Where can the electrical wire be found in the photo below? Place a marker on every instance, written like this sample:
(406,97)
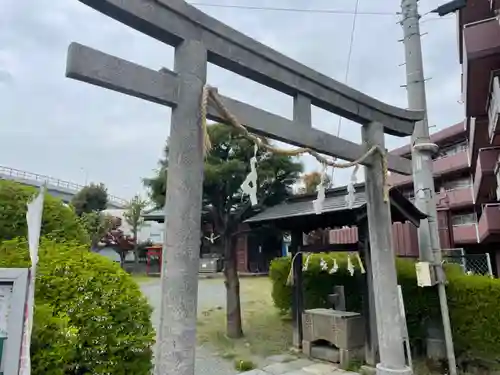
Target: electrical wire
(305,10)
(349,56)
(297,10)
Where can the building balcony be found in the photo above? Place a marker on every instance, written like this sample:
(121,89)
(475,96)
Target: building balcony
(452,163)
(489,223)
(481,57)
(441,166)
(465,234)
(478,138)
(455,198)
(484,176)
(494,111)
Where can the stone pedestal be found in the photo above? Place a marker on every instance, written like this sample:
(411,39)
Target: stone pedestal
(344,330)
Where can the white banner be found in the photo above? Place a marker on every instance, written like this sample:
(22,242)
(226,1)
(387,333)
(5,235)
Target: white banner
(34,220)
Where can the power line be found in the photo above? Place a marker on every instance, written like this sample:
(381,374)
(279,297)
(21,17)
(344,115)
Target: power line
(296,10)
(349,55)
(305,10)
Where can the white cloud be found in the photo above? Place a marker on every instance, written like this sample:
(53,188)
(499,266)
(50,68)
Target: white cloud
(53,125)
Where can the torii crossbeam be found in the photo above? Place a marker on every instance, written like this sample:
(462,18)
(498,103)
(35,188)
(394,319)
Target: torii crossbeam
(199,39)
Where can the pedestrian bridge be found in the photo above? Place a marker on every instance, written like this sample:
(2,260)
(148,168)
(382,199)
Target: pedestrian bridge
(64,190)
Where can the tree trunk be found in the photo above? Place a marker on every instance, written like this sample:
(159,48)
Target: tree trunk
(136,251)
(232,282)
(122,259)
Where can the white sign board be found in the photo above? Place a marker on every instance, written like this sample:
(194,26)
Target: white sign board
(13,293)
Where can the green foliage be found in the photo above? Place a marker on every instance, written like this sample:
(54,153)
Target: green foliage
(54,342)
(226,167)
(85,302)
(93,197)
(97,224)
(312,180)
(243,365)
(474,301)
(59,221)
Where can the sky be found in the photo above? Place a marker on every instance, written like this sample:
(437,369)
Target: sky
(73,131)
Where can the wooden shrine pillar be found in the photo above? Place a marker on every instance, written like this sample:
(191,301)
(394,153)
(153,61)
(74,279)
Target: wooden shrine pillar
(297,289)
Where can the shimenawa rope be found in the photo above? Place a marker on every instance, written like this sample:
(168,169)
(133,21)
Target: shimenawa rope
(211,93)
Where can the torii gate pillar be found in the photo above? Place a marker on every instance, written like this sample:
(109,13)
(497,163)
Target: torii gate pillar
(176,336)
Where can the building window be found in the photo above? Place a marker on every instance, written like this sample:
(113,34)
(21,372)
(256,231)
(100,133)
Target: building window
(459,183)
(453,149)
(463,219)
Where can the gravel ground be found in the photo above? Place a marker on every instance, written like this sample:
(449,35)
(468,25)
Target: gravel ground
(211,293)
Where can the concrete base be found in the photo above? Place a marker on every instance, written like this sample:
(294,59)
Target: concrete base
(327,353)
(382,370)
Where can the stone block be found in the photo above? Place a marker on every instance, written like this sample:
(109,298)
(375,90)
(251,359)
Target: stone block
(325,353)
(254,372)
(321,369)
(281,358)
(285,368)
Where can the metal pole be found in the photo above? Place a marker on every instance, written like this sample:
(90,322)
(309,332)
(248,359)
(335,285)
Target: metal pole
(383,263)
(422,150)
(176,335)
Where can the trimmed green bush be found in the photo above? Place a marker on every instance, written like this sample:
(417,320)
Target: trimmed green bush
(85,302)
(54,342)
(59,221)
(474,301)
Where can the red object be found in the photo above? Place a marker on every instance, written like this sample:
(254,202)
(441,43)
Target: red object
(153,253)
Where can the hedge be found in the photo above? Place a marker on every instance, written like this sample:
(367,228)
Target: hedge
(90,316)
(59,221)
(474,301)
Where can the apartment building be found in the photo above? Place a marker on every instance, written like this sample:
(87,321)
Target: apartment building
(457,218)
(479,55)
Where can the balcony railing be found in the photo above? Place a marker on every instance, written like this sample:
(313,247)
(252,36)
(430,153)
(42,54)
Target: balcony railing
(441,166)
(489,223)
(484,176)
(455,198)
(451,163)
(494,109)
(465,233)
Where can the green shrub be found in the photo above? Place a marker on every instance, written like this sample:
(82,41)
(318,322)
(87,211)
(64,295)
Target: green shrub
(474,301)
(92,298)
(54,342)
(59,221)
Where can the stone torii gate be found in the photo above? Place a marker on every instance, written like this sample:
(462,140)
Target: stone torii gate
(199,39)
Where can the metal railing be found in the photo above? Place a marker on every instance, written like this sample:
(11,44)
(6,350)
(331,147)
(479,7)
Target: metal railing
(54,182)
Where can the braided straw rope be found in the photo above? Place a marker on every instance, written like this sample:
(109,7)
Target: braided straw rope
(211,93)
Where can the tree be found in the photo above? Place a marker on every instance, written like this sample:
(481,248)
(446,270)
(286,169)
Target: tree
(116,239)
(93,197)
(224,205)
(97,225)
(312,180)
(133,217)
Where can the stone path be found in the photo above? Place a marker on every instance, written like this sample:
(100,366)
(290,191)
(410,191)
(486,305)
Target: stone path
(211,293)
(288,365)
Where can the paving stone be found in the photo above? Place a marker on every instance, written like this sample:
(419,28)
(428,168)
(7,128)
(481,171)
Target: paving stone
(321,369)
(298,372)
(281,358)
(254,372)
(285,368)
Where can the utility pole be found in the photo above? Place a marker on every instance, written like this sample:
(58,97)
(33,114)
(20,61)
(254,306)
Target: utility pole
(422,151)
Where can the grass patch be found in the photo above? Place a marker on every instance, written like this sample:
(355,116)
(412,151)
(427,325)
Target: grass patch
(266,332)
